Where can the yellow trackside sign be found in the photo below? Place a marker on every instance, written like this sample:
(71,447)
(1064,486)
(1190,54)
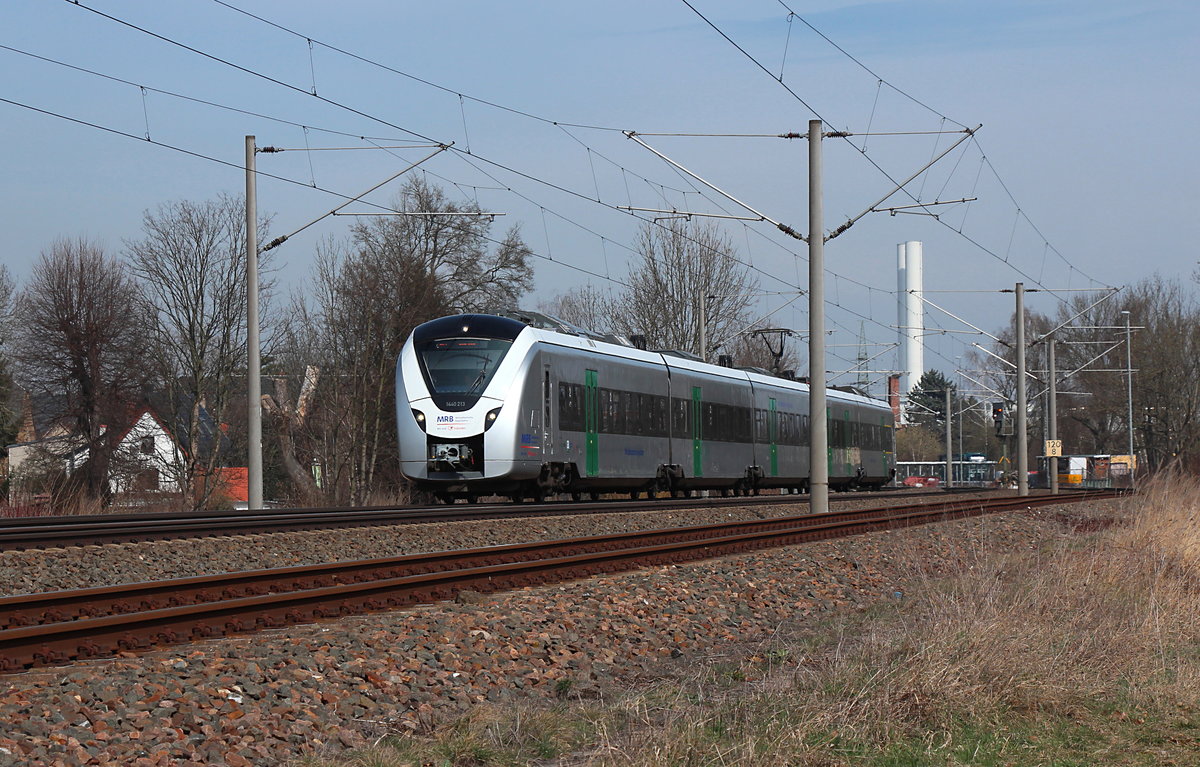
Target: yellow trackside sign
(1053,448)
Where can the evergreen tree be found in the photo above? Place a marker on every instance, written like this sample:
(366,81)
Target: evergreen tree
(927,401)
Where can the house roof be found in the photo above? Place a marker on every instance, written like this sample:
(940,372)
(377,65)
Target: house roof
(174,413)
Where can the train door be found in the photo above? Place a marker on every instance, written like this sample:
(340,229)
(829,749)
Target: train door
(547,433)
(697,434)
(773,437)
(591,421)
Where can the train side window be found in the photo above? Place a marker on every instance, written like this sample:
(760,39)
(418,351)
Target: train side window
(570,407)
(607,412)
(658,415)
(635,413)
(680,422)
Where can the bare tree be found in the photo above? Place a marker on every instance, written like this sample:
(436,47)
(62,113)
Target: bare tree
(8,412)
(191,264)
(452,250)
(367,302)
(1166,381)
(1093,411)
(291,418)
(687,269)
(79,335)
(584,307)
(918,443)
(6,297)
(369,294)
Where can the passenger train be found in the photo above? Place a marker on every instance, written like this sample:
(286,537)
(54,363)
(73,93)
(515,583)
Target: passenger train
(527,406)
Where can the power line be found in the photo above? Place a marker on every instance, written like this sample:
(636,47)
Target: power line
(240,168)
(868,70)
(461,153)
(862,152)
(193,99)
(410,76)
(331,102)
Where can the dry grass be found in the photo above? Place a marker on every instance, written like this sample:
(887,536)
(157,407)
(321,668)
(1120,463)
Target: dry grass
(1085,652)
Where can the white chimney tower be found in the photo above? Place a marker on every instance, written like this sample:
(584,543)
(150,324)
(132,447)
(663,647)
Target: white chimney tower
(910,285)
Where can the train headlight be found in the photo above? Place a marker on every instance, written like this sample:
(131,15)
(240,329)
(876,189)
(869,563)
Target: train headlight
(490,418)
(420,418)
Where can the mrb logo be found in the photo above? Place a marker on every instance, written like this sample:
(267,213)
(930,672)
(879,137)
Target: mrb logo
(445,419)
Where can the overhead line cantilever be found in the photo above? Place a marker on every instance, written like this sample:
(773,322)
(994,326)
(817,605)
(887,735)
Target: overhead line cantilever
(762,216)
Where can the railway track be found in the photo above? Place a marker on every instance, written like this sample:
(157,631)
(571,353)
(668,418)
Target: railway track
(48,532)
(58,627)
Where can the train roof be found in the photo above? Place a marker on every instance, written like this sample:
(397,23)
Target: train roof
(551,329)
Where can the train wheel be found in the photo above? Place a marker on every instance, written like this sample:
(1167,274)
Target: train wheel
(444,498)
(576,495)
(517,497)
(634,495)
(595,496)
(472,498)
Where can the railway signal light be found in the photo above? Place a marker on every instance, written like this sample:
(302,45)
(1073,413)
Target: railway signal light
(998,414)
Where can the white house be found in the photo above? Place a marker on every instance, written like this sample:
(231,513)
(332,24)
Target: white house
(145,457)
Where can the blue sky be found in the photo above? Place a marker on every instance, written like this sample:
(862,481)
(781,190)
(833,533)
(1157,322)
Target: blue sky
(1088,110)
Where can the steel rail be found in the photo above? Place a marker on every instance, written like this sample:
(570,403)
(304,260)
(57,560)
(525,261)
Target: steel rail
(26,609)
(59,626)
(21,533)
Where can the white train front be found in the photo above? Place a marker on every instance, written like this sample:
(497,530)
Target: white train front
(494,405)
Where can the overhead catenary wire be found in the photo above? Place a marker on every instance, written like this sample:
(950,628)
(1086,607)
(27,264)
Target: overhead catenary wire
(862,152)
(359,112)
(449,90)
(195,100)
(264,174)
(499,165)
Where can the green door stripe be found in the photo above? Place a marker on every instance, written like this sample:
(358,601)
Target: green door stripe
(591,416)
(773,436)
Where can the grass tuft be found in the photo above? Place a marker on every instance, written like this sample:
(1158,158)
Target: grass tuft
(1085,651)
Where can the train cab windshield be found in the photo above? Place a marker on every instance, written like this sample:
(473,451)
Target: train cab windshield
(459,369)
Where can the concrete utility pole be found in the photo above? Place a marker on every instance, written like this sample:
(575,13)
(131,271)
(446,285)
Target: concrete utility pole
(1022,405)
(1052,416)
(1129,390)
(949,446)
(818,449)
(254,468)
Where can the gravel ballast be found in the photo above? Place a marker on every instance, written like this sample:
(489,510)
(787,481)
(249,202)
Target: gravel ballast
(25,572)
(270,697)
